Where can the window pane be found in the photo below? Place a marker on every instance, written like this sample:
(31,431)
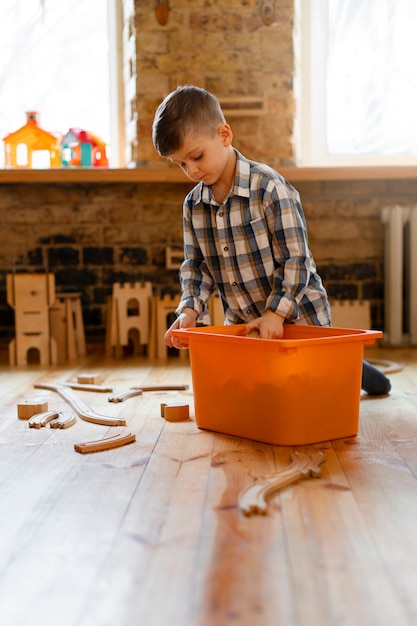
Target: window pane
(54,59)
(371,87)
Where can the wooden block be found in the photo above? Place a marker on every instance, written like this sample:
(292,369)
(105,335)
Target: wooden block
(88,379)
(175,412)
(28,408)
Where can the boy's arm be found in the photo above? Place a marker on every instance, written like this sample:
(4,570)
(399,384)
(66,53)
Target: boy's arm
(196,282)
(289,243)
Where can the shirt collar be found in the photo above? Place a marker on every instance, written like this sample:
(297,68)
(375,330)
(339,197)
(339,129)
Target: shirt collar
(240,186)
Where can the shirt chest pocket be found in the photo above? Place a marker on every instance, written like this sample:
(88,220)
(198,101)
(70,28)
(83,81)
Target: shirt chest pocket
(250,238)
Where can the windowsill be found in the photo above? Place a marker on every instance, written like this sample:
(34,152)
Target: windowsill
(93,175)
(175,175)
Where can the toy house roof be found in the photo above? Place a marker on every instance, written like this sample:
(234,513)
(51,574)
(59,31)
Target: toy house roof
(78,135)
(30,133)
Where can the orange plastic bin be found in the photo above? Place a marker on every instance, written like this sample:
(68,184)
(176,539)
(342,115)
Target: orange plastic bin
(298,390)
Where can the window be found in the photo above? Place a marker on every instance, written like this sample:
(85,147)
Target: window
(359,82)
(56,59)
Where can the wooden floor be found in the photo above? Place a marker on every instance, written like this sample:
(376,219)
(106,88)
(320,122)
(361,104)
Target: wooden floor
(150,534)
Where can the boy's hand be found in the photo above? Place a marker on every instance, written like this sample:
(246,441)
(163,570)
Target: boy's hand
(270,325)
(186,319)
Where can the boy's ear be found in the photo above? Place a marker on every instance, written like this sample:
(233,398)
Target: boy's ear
(225,133)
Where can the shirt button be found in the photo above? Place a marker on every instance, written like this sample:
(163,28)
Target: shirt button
(220,214)
(234,284)
(248,312)
(225,248)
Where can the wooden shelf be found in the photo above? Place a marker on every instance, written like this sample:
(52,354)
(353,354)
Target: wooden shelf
(323,174)
(93,175)
(175,175)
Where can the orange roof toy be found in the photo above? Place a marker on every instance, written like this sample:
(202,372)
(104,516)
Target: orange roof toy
(31,147)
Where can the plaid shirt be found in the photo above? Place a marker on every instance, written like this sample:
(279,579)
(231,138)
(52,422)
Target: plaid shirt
(253,248)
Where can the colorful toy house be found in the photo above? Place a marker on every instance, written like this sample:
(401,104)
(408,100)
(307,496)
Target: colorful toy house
(31,146)
(82,148)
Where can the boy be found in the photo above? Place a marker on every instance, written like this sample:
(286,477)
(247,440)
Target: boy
(244,230)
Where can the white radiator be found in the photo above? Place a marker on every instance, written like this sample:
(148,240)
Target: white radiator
(400,275)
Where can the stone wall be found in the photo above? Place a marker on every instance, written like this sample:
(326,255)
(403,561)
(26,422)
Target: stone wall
(93,235)
(225,47)
(90,236)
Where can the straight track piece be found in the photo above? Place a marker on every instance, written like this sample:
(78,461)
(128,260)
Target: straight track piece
(87,386)
(121,396)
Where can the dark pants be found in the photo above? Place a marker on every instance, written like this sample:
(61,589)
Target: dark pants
(374,381)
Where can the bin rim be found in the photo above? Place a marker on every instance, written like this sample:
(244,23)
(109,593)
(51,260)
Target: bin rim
(320,334)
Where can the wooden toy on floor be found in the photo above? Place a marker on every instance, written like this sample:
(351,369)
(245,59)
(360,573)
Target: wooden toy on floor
(42,419)
(87,386)
(121,396)
(80,407)
(28,408)
(105,444)
(64,421)
(175,412)
(252,499)
(89,378)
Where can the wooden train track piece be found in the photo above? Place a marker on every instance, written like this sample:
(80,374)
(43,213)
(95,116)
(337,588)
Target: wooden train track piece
(105,444)
(42,419)
(386,366)
(87,386)
(64,421)
(121,396)
(80,407)
(138,391)
(252,499)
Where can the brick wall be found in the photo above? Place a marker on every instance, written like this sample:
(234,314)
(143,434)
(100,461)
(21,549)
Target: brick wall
(89,236)
(93,235)
(224,47)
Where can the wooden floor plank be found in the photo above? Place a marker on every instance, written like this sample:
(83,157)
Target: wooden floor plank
(159,536)
(151,533)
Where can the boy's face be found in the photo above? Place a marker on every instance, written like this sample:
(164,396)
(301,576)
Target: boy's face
(203,157)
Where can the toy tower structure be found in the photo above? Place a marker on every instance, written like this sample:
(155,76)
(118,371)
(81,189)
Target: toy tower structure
(31,295)
(129,313)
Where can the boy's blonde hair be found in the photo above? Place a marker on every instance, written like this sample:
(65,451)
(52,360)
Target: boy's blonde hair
(187,110)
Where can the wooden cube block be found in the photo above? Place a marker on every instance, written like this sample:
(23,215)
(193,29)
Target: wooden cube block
(27,408)
(88,379)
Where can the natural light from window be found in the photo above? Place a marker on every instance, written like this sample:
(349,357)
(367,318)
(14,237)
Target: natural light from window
(54,59)
(359,95)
